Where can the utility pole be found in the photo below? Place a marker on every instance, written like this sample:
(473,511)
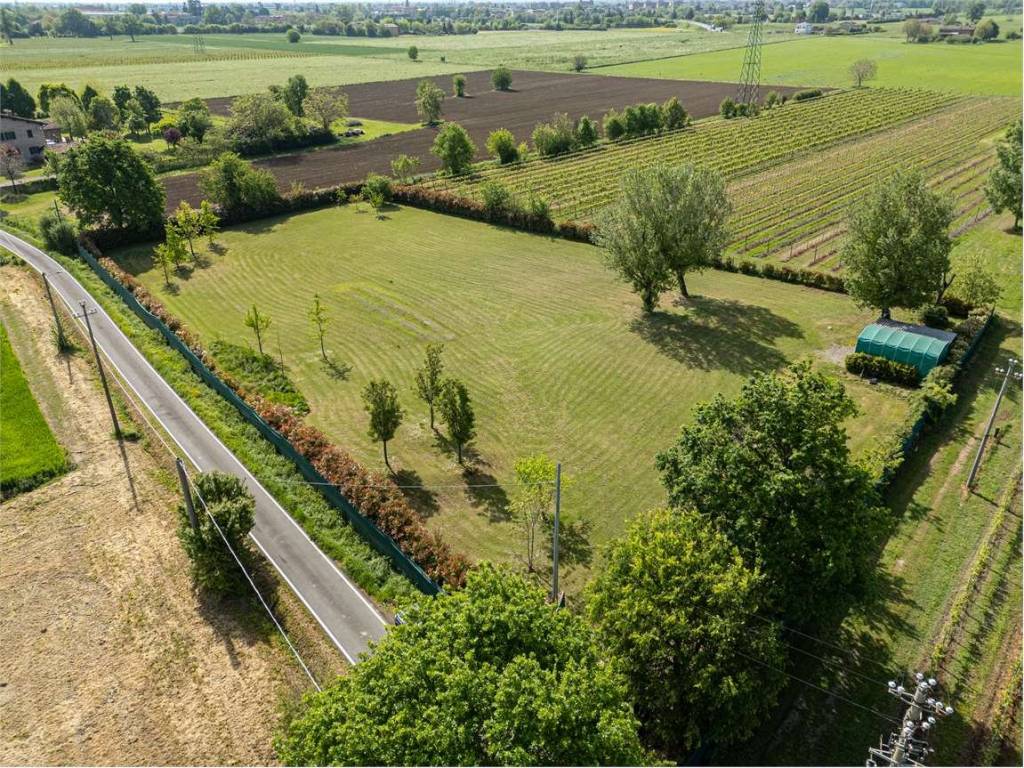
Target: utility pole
(56,209)
(991,419)
(186,493)
(99,364)
(61,338)
(554,541)
(909,746)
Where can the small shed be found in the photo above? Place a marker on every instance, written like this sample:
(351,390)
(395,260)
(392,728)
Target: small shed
(916,345)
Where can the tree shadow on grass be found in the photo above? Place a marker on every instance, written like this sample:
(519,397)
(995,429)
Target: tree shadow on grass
(485,494)
(719,333)
(338,371)
(423,500)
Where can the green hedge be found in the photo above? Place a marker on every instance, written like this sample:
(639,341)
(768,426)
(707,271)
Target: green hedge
(883,369)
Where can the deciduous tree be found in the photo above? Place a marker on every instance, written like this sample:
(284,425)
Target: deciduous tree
(103,114)
(772,469)
(501,145)
(106,183)
(974,284)
(380,398)
(429,378)
(194,119)
(17,99)
(454,148)
(676,605)
(487,675)
(187,223)
(325,105)
(233,184)
(429,99)
(11,163)
(404,168)
(294,94)
(897,250)
(457,414)
(231,505)
(258,323)
(863,69)
(319,319)
(1004,189)
(501,79)
(68,114)
(459,85)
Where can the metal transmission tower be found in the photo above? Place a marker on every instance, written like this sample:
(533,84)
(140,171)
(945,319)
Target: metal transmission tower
(909,745)
(198,44)
(750,75)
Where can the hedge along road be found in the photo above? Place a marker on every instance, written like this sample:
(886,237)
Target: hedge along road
(533,99)
(347,616)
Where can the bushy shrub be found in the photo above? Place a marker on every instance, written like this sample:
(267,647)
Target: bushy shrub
(377,190)
(497,199)
(501,144)
(883,369)
(554,138)
(934,316)
(956,306)
(771,99)
(643,119)
(674,114)
(810,93)
(58,233)
(294,36)
(727,108)
(501,79)
(586,132)
(614,126)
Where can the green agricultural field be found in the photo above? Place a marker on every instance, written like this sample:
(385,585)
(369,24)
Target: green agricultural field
(555,351)
(29,454)
(989,69)
(234,64)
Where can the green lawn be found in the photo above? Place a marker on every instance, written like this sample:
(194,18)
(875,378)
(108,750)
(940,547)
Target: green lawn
(29,454)
(989,69)
(554,350)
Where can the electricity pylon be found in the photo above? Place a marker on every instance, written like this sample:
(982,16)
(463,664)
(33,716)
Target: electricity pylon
(750,75)
(909,745)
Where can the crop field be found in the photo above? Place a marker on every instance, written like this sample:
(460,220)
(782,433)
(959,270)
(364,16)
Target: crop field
(29,454)
(795,212)
(578,184)
(991,69)
(554,350)
(230,65)
(535,96)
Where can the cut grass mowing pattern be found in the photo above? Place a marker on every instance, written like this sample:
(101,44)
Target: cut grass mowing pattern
(991,69)
(555,352)
(29,454)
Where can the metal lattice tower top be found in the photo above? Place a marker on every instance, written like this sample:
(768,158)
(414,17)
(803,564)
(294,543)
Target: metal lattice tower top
(750,76)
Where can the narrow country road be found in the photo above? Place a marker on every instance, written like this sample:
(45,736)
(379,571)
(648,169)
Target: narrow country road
(346,615)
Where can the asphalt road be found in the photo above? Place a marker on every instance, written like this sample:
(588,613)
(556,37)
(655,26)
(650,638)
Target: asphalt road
(345,613)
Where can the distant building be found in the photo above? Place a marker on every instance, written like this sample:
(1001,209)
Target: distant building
(393,29)
(956,31)
(29,137)
(804,28)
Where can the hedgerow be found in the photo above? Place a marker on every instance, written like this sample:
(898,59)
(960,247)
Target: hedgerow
(874,366)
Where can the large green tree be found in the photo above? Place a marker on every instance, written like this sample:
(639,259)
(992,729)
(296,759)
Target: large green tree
(15,98)
(487,675)
(897,249)
(380,399)
(772,468)
(233,184)
(294,94)
(228,501)
(107,183)
(1004,189)
(675,603)
(429,98)
(455,148)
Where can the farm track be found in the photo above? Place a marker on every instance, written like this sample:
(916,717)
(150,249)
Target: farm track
(483,111)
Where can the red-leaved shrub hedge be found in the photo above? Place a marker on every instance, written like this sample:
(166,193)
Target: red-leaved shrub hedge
(374,495)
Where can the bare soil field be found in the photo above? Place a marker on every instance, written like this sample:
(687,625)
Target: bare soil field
(535,96)
(109,656)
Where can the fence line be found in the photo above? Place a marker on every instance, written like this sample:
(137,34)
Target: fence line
(365,527)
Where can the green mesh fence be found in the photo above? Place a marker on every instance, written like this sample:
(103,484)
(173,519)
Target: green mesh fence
(373,535)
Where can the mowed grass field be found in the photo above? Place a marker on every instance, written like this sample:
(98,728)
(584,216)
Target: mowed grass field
(235,64)
(29,454)
(992,69)
(554,350)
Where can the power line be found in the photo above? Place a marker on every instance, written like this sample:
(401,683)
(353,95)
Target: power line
(252,584)
(816,687)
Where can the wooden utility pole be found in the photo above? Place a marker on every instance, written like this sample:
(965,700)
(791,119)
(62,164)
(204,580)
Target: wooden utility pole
(186,493)
(103,376)
(61,338)
(991,420)
(554,540)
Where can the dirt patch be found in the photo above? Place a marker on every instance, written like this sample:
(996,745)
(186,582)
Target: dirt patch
(109,658)
(536,96)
